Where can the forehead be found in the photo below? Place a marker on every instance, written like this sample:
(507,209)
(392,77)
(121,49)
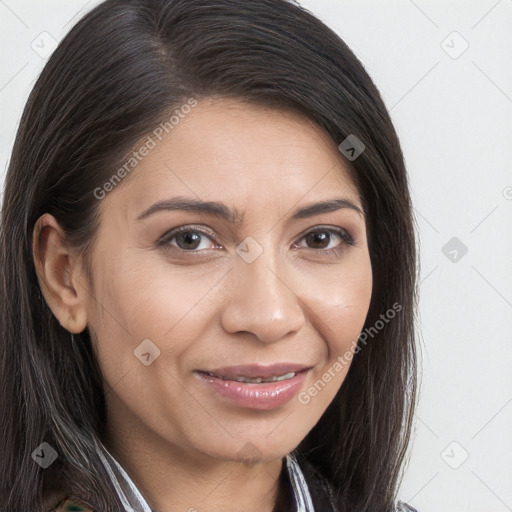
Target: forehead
(241,153)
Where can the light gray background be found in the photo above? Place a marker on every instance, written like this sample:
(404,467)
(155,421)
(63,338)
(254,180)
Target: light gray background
(453,112)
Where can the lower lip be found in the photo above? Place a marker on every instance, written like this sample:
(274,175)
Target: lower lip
(267,395)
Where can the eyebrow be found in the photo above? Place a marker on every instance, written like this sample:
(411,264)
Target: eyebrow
(221,210)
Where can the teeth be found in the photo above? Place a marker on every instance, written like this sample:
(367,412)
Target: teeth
(257,380)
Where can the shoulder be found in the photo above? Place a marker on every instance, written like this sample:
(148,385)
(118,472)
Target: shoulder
(72,505)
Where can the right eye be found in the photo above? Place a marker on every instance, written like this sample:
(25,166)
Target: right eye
(188,239)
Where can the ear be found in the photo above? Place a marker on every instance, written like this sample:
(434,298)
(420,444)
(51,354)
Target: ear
(58,272)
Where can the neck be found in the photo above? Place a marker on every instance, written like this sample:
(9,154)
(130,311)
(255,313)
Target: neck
(173,478)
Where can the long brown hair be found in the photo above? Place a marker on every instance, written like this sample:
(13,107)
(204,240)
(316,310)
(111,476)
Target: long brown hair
(106,86)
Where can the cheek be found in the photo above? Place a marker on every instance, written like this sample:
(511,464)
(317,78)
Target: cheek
(340,301)
(339,305)
(345,312)
(148,301)
(339,321)
(162,299)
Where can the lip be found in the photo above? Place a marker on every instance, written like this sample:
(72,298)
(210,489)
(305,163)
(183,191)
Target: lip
(268,395)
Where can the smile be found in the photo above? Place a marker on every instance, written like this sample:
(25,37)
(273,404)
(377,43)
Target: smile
(255,386)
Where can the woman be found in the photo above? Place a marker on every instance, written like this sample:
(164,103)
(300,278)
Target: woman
(209,270)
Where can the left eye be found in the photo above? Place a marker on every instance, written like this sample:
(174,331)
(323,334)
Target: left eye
(186,237)
(321,235)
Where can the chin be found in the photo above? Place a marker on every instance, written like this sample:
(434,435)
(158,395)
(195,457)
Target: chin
(255,450)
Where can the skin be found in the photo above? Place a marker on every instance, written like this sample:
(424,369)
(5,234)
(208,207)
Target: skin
(180,441)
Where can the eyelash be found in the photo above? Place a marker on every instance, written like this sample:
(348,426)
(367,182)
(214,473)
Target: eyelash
(347,240)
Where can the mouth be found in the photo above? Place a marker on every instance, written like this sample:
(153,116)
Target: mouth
(256,371)
(256,386)
(257,380)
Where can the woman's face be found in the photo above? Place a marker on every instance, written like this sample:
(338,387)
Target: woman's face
(272,286)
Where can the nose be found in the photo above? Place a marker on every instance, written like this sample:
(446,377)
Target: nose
(262,301)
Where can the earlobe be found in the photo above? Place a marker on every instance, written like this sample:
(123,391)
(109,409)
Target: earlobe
(57,273)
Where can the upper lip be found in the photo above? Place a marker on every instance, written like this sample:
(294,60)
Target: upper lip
(253,371)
